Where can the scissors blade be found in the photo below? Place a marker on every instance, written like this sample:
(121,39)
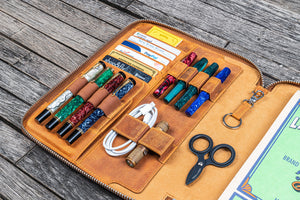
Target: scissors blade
(194,173)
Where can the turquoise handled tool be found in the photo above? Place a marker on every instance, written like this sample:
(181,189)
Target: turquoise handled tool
(200,65)
(192,90)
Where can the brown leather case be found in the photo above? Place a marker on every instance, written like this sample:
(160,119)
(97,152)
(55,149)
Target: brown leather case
(161,174)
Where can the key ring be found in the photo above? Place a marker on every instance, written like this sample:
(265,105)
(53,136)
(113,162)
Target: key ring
(257,95)
(229,126)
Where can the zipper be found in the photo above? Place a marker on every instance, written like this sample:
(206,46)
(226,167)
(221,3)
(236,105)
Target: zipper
(269,87)
(272,85)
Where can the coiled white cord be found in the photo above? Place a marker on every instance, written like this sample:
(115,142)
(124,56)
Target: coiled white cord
(149,111)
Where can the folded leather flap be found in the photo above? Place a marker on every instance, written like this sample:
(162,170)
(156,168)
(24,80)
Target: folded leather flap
(98,96)
(77,85)
(199,80)
(177,69)
(131,128)
(88,90)
(246,105)
(109,104)
(188,74)
(212,87)
(157,141)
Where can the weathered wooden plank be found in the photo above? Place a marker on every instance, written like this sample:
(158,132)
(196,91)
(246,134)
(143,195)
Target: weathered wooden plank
(150,13)
(292,5)
(40,43)
(13,145)
(267,66)
(76,18)
(122,3)
(50,26)
(15,184)
(12,109)
(251,36)
(263,13)
(30,63)
(60,178)
(20,84)
(103,11)
(10,52)
(45,46)
(10,30)
(41,69)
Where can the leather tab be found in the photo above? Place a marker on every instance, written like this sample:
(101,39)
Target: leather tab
(77,85)
(98,96)
(241,110)
(188,74)
(88,90)
(245,106)
(157,141)
(212,87)
(177,69)
(131,128)
(199,80)
(109,104)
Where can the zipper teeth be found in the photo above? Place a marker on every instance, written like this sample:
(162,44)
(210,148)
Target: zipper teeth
(138,21)
(272,85)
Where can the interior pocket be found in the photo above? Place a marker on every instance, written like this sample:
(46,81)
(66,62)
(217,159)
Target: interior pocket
(115,170)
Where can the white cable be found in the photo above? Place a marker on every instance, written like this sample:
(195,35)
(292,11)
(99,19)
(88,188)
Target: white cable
(149,111)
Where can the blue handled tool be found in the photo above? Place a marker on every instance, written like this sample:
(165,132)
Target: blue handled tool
(201,163)
(204,96)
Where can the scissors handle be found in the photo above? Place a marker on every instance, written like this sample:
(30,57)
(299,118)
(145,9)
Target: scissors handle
(202,162)
(211,160)
(205,151)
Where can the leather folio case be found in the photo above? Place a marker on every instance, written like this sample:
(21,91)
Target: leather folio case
(162,173)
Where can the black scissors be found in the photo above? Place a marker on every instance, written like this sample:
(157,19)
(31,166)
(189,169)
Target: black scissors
(201,163)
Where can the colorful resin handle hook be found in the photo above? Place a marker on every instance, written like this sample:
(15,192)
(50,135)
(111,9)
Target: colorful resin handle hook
(200,65)
(92,103)
(171,79)
(204,96)
(192,90)
(98,113)
(77,101)
(71,91)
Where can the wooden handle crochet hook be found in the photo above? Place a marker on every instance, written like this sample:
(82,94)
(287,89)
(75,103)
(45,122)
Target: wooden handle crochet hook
(140,151)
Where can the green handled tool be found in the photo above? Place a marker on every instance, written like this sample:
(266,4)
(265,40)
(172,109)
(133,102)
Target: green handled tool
(200,65)
(192,90)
